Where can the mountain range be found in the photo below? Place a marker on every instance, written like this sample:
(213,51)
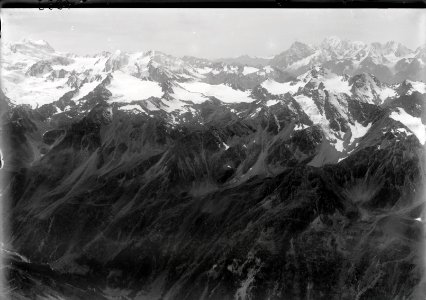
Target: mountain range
(147,176)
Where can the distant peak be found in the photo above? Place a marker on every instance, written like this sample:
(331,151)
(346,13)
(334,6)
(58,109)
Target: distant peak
(254,56)
(34,42)
(390,43)
(41,44)
(299,46)
(331,39)
(391,47)
(331,42)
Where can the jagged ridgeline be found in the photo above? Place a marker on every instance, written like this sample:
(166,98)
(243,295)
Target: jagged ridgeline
(146,176)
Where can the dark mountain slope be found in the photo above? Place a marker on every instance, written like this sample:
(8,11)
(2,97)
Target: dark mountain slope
(227,209)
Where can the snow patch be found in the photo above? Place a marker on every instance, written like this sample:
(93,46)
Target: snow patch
(86,88)
(386,92)
(271,102)
(39,42)
(338,145)
(358,131)
(403,130)
(300,127)
(337,84)
(150,106)
(127,88)
(1,162)
(309,107)
(249,70)
(414,124)
(181,93)
(34,91)
(304,61)
(204,70)
(340,159)
(276,88)
(131,107)
(418,86)
(220,91)
(268,69)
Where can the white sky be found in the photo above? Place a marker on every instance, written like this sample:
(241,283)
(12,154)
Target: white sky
(210,33)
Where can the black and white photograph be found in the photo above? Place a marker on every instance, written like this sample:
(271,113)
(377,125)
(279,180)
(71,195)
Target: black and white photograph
(212,154)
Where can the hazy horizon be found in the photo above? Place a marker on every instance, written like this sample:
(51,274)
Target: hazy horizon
(209,33)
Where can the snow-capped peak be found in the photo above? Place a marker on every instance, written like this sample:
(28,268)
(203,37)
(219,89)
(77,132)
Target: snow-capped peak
(28,46)
(300,47)
(36,43)
(331,42)
(390,48)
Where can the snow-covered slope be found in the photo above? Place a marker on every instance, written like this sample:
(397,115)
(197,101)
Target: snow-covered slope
(152,82)
(390,62)
(414,124)
(34,73)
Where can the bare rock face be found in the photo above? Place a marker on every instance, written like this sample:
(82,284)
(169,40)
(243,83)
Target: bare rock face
(116,61)
(100,114)
(296,52)
(39,68)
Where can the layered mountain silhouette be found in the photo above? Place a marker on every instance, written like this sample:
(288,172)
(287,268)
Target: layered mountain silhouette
(147,176)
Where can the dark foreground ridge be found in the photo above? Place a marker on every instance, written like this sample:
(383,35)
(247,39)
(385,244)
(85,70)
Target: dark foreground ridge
(122,204)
